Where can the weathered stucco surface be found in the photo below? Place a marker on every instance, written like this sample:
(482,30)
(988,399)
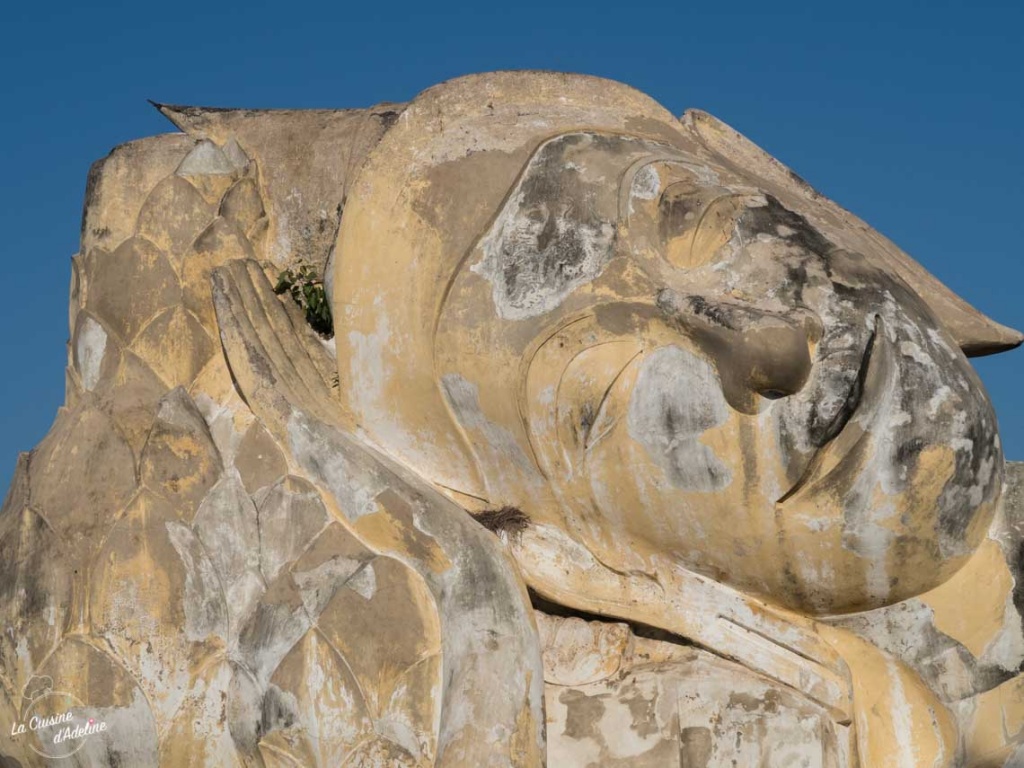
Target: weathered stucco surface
(629,450)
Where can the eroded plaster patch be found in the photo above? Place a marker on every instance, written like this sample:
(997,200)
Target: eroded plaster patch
(92,344)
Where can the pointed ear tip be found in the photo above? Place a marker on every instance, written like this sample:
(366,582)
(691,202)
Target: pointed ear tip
(1001,339)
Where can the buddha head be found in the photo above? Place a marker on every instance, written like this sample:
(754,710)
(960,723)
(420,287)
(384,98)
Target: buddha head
(554,295)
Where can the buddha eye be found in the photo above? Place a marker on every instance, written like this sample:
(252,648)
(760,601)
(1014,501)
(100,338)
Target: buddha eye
(695,222)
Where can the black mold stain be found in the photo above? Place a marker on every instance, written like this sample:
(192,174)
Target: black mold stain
(560,228)
(554,260)
(716,313)
(908,452)
(1013,509)
(21,585)
(822,431)
(936,657)
(388,118)
(767,219)
(955,511)
(796,278)
(277,712)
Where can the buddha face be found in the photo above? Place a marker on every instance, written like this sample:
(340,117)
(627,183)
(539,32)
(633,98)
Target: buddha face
(705,380)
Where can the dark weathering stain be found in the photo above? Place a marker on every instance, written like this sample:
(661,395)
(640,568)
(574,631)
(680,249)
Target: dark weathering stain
(824,428)
(767,219)
(1013,507)
(695,746)
(907,453)
(1016,564)
(277,713)
(642,710)
(554,259)
(22,572)
(796,279)
(640,630)
(511,521)
(388,118)
(559,228)
(557,259)
(716,313)
(113,758)
(768,705)
(955,512)
(582,714)
(91,183)
(936,656)
(670,408)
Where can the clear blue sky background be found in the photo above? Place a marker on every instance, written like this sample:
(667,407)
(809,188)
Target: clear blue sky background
(908,113)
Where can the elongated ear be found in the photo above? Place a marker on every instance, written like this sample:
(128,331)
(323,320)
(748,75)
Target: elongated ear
(976,333)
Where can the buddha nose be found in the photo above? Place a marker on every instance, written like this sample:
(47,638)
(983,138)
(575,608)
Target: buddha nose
(758,354)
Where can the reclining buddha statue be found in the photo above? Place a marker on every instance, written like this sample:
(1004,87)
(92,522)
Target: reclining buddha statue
(629,449)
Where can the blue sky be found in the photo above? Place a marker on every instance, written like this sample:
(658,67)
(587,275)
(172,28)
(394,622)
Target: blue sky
(907,113)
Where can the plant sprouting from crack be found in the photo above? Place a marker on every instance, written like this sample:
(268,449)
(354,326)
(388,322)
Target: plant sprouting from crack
(307,290)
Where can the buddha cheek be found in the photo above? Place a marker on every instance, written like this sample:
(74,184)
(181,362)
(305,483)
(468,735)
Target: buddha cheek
(638,514)
(676,399)
(660,470)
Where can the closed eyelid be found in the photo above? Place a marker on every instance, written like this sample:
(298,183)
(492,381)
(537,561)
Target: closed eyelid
(672,171)
(694,245)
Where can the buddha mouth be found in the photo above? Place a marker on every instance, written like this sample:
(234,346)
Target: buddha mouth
(864,400)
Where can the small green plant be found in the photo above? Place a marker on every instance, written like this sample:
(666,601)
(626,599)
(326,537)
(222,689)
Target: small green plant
(307,290)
